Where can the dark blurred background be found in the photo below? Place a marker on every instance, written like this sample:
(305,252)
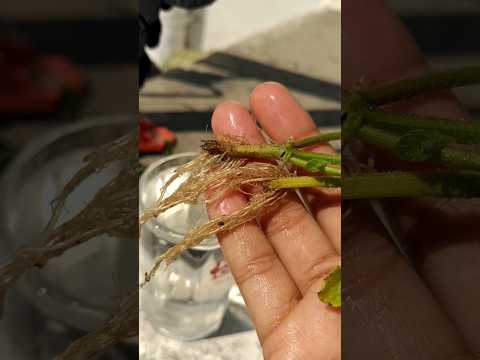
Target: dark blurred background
(393,309)
(62,64)
(447,31)
(63,61)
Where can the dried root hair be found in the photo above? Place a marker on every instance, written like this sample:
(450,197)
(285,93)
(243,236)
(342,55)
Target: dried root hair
(121,149)
(216,175)
(119,327)
(111,211)
(258,202)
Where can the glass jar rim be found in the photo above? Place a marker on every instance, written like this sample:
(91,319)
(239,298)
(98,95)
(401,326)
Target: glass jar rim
(156,227)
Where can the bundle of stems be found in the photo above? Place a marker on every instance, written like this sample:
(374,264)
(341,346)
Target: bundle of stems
(446,148)
(226,166)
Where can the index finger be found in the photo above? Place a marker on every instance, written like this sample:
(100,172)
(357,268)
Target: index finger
(282,117)
(266,285)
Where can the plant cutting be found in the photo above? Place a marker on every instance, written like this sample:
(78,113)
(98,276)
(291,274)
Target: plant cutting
(445,147)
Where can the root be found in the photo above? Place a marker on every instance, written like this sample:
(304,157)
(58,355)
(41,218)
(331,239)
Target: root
(217,175)
(120,149)
(265,201)
(121,326)
(112,211)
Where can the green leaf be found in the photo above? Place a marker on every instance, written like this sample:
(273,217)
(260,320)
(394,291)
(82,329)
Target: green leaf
(331,292)
(420,145)
(287,154)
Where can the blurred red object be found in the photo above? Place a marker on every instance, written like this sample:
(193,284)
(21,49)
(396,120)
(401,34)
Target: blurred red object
(32,83)
(154,139)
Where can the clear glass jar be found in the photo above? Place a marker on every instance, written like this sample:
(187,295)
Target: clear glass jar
(188,299)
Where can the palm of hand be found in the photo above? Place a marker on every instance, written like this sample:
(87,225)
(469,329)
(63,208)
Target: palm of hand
(280,262)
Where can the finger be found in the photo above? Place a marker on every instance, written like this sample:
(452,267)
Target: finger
(282,117)
(268,289)
(319,339)
(300,243)
(291,230)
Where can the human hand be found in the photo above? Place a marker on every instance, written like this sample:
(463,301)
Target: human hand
(279,264)
(427,309)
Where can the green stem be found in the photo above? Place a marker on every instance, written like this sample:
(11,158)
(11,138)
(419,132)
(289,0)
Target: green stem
(460,159)
(304,182)
(318,139)
(432,81)
(308,155)
(280,152)
(449,156)
(465,132)
(374,136)
(305,164)
(332,171)
(404,184)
